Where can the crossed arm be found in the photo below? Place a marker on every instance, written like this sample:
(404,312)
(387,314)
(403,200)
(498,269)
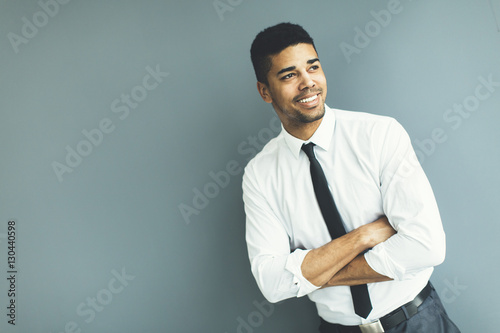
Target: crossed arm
(406,198)
(341,261)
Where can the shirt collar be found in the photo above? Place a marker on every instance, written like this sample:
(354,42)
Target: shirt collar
(321,138)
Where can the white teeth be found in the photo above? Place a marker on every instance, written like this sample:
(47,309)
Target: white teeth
(307,100)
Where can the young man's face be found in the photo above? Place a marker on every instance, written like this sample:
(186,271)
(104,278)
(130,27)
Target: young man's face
(297,88)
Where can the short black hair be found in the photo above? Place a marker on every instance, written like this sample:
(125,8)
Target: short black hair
(273,40)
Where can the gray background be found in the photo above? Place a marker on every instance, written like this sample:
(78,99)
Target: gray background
(120,207)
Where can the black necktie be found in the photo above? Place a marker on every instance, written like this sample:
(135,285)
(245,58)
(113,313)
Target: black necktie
(360,296)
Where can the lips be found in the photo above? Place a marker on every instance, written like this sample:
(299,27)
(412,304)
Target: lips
(308,100)
(310,97)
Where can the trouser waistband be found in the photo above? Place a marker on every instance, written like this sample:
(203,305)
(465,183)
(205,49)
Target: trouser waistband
(385,323)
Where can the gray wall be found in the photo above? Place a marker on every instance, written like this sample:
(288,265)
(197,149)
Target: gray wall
(116,208)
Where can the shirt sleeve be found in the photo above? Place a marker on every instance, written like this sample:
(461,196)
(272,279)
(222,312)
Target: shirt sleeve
(277,270)
(410,206)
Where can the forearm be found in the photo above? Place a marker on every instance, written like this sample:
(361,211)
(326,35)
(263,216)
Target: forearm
(322,264)
(356,272)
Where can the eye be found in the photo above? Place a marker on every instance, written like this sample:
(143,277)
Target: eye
(288,76)
(314,67)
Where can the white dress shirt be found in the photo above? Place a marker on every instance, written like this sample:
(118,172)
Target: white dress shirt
(372,170)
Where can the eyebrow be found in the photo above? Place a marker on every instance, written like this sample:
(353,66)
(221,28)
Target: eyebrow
(291,68)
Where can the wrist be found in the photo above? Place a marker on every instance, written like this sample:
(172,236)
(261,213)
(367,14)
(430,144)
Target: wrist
(365,238)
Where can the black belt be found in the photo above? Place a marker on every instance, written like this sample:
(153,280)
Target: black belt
(388,321)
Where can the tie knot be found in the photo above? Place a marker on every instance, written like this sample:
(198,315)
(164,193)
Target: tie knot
(309,150)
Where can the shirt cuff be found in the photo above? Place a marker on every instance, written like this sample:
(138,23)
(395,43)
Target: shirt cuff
(380,261)
(293,265)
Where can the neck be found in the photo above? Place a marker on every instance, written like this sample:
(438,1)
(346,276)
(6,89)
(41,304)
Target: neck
(302,131)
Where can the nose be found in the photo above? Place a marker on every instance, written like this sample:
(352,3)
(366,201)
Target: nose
(306,81)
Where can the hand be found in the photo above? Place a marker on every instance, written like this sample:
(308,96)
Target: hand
(378,231)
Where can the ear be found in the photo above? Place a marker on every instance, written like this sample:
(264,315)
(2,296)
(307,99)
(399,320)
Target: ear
(264,92)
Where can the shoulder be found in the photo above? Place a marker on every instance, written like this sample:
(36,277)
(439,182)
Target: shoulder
(266,158)
(362,118)
(373,125)
(377,136)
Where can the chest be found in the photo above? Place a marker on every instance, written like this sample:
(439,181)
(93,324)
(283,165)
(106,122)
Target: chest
(353,179)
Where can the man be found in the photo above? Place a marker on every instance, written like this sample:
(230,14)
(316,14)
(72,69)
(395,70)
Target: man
(391,233)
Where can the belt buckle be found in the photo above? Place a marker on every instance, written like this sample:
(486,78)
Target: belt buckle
(373,327)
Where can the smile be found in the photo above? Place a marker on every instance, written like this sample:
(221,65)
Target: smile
(307,100)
